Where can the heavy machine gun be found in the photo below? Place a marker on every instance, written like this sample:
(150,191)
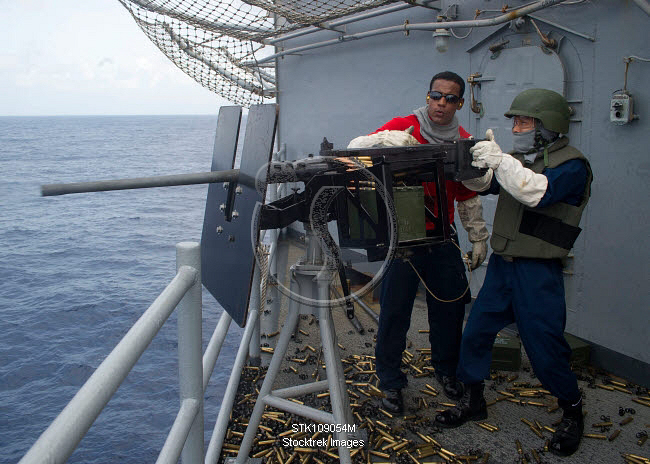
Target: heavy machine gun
(375,195)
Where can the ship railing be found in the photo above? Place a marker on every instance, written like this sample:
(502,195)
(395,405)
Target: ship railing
(185,438)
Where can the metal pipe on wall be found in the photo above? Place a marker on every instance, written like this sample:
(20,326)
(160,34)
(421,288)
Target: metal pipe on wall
(415,27)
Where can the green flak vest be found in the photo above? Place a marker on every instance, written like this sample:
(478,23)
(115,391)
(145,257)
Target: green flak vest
(550,232)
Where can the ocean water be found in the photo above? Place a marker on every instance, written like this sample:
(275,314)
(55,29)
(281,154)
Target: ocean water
(76,271)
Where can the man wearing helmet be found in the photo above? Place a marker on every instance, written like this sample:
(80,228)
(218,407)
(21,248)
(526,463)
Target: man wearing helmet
(543,187)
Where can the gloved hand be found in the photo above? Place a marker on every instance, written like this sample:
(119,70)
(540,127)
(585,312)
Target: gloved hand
(525,185)
(479,252)
(389,138)
(471,216)
(480,184)
(487,153)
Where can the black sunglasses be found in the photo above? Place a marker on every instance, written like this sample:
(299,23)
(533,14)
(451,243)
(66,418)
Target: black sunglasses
(449,98)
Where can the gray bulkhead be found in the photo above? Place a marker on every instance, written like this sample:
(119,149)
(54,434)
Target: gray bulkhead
(352,88)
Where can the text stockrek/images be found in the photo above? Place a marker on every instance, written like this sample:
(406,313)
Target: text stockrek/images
(324,428)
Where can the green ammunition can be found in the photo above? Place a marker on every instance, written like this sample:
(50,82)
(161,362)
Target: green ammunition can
(580,350)
(409,207)
(506,354)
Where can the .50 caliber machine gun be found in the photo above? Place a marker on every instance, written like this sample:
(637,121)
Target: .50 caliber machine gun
(376,196)
(364,179)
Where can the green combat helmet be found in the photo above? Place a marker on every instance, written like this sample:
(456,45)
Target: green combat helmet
(549,107)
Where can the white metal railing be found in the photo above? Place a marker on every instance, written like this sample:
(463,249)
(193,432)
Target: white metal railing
(185,438)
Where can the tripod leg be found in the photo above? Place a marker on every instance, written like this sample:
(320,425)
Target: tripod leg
(335,378)
(269,379)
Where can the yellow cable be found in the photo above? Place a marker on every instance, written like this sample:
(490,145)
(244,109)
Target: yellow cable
(431,293)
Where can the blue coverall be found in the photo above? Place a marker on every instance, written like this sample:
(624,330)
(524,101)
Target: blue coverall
(530,292)
(442,270)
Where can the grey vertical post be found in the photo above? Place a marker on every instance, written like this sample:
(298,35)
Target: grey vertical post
(220,428)
(254,352)
(190,356)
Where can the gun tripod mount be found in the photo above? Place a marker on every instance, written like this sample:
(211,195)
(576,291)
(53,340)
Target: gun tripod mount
(311,278)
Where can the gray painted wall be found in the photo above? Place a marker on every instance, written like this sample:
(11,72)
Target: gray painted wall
(350,89)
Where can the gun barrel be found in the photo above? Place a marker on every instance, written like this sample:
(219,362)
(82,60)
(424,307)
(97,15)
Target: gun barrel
(49,190)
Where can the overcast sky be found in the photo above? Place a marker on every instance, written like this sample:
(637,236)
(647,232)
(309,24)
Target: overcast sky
(65,57)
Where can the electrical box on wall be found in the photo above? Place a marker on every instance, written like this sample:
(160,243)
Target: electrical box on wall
(620,110)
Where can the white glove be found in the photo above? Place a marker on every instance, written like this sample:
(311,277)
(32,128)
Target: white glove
(480,184)
(388,138)
(487,153)
(526,186)
(479,252)
(471,216)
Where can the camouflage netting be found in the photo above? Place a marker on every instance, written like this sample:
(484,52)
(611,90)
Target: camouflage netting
(218,42)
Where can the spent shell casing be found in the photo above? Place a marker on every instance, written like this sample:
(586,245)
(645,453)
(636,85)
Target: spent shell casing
(519,448)
(626,421)
(605,387)
(484,426)
(412,458)
(553,408)
(614,434)
(330,454)
(447,452)
(602,424)
(642,440)
(643,402)
(259,454)
(621,389)
(598,436)
(401,445)
(536,457)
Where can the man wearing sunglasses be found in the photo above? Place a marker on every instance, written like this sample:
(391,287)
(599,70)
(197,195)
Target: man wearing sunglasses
(441,268)
(543,188)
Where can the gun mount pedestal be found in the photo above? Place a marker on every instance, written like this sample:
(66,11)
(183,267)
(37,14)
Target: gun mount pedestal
(310,280)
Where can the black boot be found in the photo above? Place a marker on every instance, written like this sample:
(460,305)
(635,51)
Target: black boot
(566,438)
(470,407)
(393,401)
(452,387)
